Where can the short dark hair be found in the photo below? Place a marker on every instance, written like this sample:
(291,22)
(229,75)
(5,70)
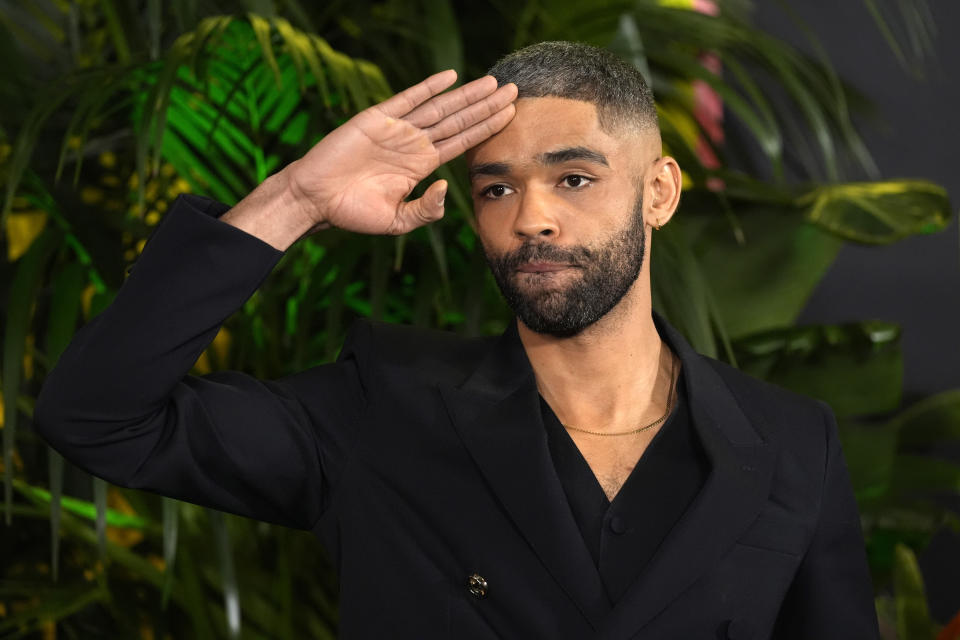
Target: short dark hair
(580,71)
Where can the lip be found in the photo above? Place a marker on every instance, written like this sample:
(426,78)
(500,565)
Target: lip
(542,267)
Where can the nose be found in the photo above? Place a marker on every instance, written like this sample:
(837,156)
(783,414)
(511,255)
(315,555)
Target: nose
(535,219)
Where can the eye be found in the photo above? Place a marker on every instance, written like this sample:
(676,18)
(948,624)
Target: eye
(496,191)
(576,181)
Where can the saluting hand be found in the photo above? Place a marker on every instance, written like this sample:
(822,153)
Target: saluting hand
(358,177)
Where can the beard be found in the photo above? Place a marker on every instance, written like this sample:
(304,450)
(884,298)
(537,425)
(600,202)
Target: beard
(607,272)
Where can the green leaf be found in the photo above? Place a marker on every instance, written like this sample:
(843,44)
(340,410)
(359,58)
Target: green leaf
(869,451)
(680,290)
(261,28)
(759,118)
(100,504)
(916,19)
(933,420)
(55,478)
(193,592)
(54,606)
(628,44)
(917,473)
(65,308)
(379,275)
(23,290)
(442,36)
(764,282)
(439,246)
(231,598)
(879,212)
(27,140)
(856,368)
(284,585)
(117,30)
(171,528)
(190,597)
(913,615)
(83,508)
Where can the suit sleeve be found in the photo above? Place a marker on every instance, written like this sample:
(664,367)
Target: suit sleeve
(832,594)
(120,404)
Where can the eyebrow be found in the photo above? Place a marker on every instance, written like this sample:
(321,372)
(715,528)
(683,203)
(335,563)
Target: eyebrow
(573,153)
(489,169)
(547,158)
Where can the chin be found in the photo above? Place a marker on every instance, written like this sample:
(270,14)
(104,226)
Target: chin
(553,329)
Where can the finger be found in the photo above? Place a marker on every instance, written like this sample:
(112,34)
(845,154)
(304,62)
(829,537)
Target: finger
(409,99)
(452,147)
(435,110)
(424,210)
(466,118)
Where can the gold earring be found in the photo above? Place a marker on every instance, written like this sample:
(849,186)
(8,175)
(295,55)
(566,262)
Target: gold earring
(658,225)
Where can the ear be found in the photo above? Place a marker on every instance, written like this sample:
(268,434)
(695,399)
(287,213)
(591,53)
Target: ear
(662,191)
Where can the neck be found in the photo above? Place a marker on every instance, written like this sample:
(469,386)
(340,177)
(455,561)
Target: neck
(614,375)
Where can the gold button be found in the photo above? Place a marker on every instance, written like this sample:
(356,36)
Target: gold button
(477,586)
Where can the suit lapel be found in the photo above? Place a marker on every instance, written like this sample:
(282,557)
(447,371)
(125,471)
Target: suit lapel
(742,466)
(496,412)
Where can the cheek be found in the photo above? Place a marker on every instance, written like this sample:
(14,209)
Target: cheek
(486,232)
(493,221)
(598,209)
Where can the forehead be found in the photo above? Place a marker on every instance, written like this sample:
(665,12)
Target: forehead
(541,125)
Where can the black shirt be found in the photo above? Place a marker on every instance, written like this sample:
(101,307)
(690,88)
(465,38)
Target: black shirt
(623,535)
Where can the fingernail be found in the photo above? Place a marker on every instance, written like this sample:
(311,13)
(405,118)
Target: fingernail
(441,197)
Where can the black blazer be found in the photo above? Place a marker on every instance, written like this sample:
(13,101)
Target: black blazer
(419,459)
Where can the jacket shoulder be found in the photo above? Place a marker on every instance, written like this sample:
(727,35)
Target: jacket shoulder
(424,355)
(799,421)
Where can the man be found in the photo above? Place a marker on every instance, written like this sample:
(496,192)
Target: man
(584,475)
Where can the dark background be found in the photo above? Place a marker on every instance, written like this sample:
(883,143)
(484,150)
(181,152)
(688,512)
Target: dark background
(915,282)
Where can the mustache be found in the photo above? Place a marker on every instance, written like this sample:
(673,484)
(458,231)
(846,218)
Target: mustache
(541,252)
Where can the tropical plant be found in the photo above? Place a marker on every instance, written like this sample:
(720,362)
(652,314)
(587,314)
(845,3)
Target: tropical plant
(113,107)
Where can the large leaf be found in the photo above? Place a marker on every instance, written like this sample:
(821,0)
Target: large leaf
(763,270)
(915,473)
(855,368)
(879,212)
(679,288)
(764,282)
(897,490)
(883,457)
(869,452)
(931,421)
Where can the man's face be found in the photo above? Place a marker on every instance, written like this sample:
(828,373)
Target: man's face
(559,210)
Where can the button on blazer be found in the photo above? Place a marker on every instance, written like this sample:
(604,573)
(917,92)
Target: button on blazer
(419,459)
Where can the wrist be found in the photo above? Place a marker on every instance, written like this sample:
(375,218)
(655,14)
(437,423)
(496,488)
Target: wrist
(297,198)
(273,212)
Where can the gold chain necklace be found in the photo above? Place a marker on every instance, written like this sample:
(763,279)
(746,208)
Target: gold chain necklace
(671,402)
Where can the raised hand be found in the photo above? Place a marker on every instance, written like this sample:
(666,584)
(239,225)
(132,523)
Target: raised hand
(358,177)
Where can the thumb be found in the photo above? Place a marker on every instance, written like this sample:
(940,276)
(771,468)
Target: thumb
(425,209)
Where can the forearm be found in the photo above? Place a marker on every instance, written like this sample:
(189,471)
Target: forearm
(120,369)
(272,212)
